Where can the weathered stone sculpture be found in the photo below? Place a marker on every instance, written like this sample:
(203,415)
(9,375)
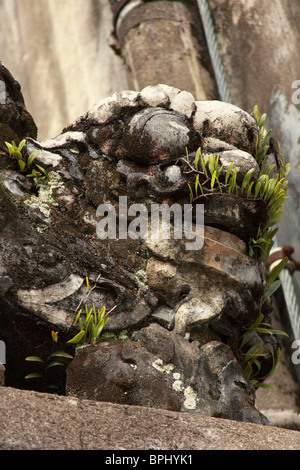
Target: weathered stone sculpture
(179,313)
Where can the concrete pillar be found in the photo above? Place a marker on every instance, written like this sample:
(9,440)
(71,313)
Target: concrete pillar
(163,42)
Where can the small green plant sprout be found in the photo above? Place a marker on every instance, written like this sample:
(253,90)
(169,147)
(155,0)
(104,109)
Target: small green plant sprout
(253,356)
(210,173)
(15,151)
(271,190)
(263,138)
(208,169)
(91,323)
(273,283)
(247,184)
(232,184)
(56,358)
(38,173)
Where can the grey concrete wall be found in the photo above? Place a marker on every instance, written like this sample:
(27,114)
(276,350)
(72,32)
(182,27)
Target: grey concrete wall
(59,52)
